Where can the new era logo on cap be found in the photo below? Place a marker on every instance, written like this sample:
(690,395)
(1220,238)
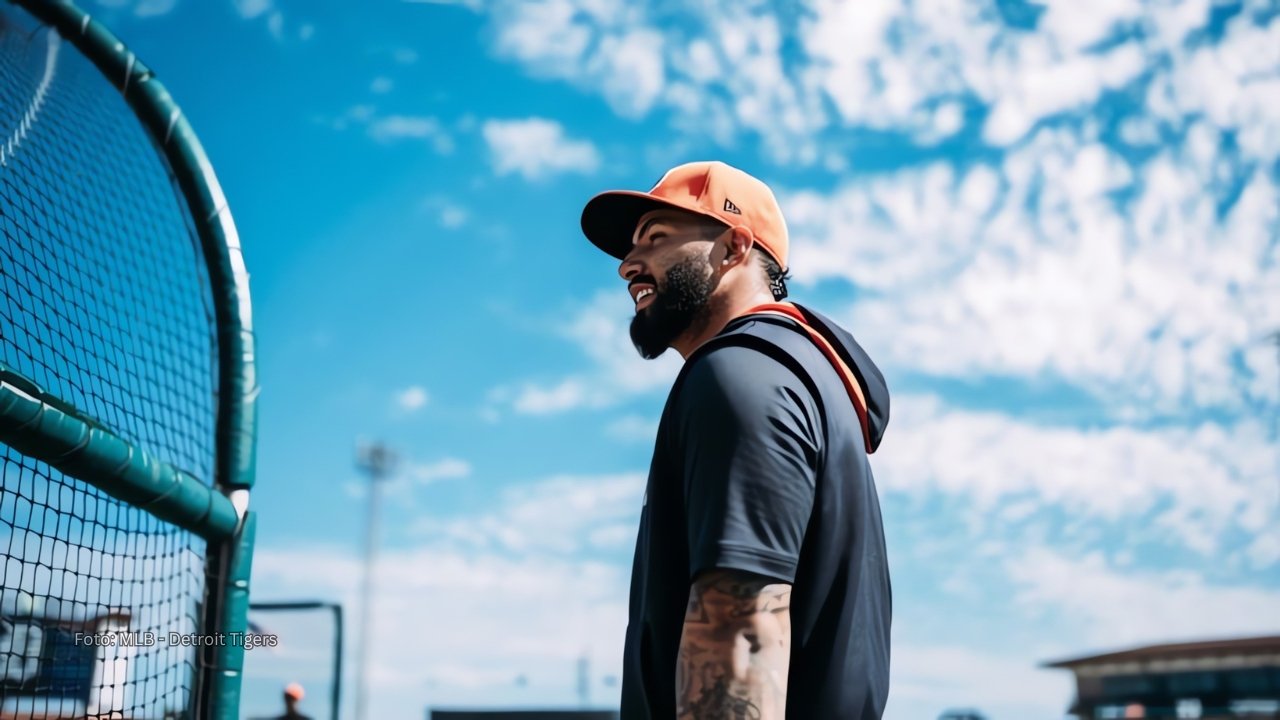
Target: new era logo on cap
(730,207)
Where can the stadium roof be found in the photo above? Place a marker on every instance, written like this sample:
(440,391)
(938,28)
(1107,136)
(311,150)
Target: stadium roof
(1205,648)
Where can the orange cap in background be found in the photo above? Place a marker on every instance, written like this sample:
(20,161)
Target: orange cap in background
(713,189)
(294,690)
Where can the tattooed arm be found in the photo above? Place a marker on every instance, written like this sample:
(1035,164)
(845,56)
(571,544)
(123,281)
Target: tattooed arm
(735,649)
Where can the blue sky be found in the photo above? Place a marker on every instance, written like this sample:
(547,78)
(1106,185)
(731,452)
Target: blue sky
(1055,227)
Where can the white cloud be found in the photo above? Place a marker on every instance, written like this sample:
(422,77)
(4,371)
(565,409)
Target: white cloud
(1096,606)
(1117,607)
(249,9)
(632,65)
(456,628)
(1264,551)
(154,8)
(881,63)
(600,331)
(468,4)
(354,115)
(407,476)
(1179,487)
(447,212)
(488,597)
(1234,84)
(412,398)
(622,535)
(550,36)
(272,16)
(536,148)
(142,8)
(275,24)
(453,217)
(926,680)
(562,515)
(1035,94)
(568,394)
(892,65)
(1033,268)
(446,469)
(381,85)
(948,119)
(393,128)
(633,428)
(891,232)
(638,66)
(1140,131)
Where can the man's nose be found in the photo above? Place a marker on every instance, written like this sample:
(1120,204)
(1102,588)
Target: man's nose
(630,266)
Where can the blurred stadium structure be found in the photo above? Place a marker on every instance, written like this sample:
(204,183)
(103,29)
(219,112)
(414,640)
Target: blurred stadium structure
(127,389)
(1230,678)
(963,714)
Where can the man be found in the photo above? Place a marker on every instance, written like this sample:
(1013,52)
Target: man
(293,695)
(760,588)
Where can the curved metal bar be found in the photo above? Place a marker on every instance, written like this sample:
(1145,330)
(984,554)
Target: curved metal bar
(39,429)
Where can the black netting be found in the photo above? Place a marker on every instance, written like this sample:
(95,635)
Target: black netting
(104,303)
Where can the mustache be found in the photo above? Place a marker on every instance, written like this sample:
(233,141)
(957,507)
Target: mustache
(642,280)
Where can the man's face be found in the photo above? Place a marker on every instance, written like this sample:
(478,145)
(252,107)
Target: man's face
(670,277)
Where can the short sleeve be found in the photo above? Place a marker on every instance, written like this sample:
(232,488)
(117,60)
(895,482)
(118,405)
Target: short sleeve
(749,442)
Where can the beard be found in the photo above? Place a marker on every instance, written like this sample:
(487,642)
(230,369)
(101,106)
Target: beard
(678,303)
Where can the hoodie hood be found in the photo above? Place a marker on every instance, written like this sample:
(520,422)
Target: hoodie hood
(862,379)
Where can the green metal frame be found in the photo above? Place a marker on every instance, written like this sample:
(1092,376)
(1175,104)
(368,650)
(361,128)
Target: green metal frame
(46,429)
(335,691)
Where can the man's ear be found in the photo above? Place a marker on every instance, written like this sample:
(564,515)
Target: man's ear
(737,244)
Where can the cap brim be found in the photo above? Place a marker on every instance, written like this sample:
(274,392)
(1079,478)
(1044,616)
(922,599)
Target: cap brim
(609,219)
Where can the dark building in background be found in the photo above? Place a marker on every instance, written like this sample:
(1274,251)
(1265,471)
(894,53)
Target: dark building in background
(1212,679)
(522,715)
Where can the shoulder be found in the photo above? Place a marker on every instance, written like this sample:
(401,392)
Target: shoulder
(739,371)
(753,355)
(754,369)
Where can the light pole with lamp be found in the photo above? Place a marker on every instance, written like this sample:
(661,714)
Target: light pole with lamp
(377,461)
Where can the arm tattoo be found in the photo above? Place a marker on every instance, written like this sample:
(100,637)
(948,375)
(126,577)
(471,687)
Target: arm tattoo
(739,595)
(735,649)
(718,702)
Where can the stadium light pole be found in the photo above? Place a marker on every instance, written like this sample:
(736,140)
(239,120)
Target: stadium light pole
(377,461)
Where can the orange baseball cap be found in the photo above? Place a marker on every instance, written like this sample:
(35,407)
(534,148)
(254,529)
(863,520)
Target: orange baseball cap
(713,189)
(294,690)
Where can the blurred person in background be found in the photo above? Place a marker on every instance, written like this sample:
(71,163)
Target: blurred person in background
(760,587)
(293,694)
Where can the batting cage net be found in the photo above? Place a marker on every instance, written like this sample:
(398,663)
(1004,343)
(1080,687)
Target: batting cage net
(117,537)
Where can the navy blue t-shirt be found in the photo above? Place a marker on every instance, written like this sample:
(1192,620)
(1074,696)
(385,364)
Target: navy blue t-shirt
(760,465)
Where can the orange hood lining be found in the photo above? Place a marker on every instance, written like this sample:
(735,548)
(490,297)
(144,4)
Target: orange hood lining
(847,376)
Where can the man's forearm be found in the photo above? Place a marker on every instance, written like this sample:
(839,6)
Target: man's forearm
(734,651)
